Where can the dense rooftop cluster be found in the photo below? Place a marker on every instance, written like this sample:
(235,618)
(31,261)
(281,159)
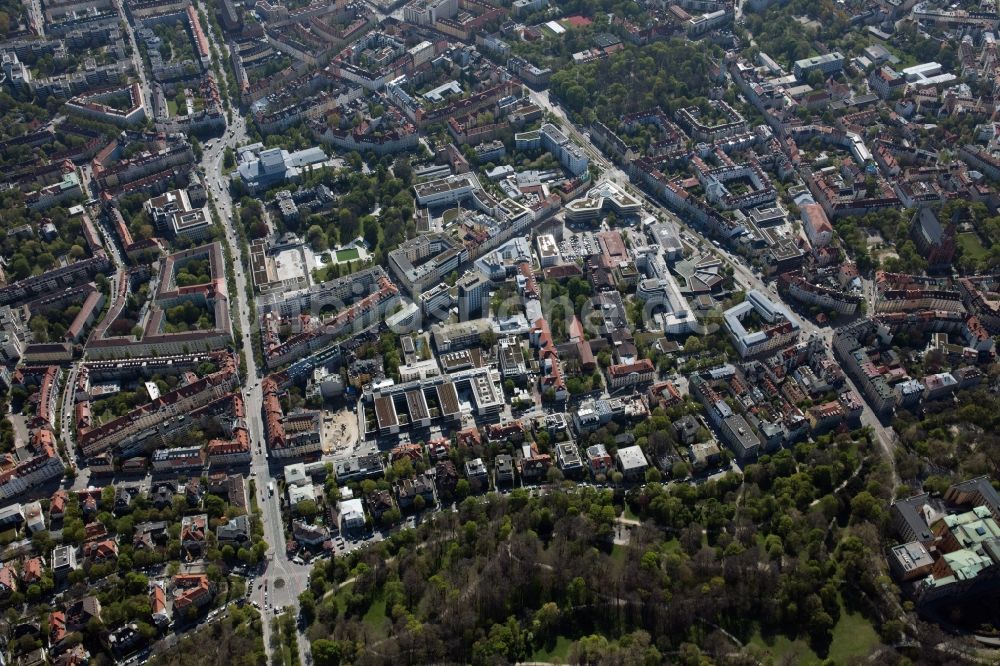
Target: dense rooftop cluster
(731,264)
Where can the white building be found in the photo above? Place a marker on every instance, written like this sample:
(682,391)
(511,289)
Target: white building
(782,327)
(568,153)
(352,514)
(548,250)
(631,462)
(444,191)
(260,169)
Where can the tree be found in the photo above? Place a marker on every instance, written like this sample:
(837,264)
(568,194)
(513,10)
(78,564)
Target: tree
(865,506)
(488,339)
(546,619)
(554,475)
(326,652)
(307,509)
(42,541)
(317,238)
(228,158)
(693,345)
(215,506)
(463,489)
(307,606)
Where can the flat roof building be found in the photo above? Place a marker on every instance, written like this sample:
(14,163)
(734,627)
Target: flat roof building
(631,462)
(260,169)
(782,327)
(424,261)
(828,63)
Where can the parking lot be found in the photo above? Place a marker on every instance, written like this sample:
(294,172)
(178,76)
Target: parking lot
(578,246)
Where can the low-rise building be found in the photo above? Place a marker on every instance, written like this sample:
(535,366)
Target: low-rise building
(476,473)
(235,533)
(632,463)
(504,472)
(569,460)
(352,515)
(260,169)
(63,560)
(599,461)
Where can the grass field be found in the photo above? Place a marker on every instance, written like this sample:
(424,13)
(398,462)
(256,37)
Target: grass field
(781,649)
(376,618)
(449,215)
(672,546)
(340,597)
(349,254)
(556,654)
(972,247)
(853,637)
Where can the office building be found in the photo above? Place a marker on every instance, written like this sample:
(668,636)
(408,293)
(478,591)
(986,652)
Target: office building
(473,296)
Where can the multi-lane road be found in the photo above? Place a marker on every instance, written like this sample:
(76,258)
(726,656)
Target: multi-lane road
(284,579)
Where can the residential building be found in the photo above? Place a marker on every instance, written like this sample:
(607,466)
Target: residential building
(235,533)
(194,530)
(63,561)
(309,535)
(504,472)
(631,462)
(183,458)
(475,472)
(192,590)
(599,461)
(408,490)
(352,515)
(569,460)
(780,329)
(425,261)
(817,226)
